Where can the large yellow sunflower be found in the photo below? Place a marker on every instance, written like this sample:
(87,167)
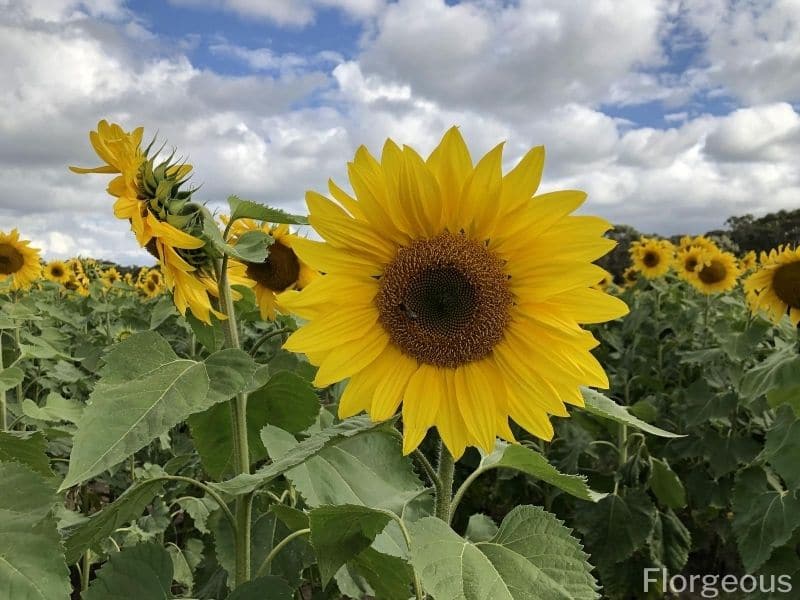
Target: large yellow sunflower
(19,263)
(775,287)
(149,196)
(57,271)
(686,261)
(717,272)
(281,271)
(450,289)
(652,257)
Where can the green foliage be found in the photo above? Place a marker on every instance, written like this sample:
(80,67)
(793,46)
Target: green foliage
(141,571)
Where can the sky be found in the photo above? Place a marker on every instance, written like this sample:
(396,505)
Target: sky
(672,115)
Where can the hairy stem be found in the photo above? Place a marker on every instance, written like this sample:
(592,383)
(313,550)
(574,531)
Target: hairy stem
(244,503)
(444,491)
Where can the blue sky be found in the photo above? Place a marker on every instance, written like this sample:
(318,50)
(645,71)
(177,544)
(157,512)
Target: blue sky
(671,114)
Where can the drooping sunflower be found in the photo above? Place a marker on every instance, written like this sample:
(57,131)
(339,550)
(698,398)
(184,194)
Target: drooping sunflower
(442,292)
(630,276)
(162,216)
(775,287)
(717,272)
(19,263)
(686,261)
(281,271)
(57,271)
(652,257)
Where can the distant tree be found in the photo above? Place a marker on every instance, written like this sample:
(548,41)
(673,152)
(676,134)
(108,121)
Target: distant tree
(765,233)
(616,261)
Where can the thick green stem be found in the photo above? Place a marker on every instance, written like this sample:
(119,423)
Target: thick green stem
(444,492)
(86,567)
(19,385)
(3,415)
(244,503)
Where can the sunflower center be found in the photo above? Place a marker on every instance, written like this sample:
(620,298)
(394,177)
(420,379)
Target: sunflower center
(691,264)
(445,301)
(712,273)
(57,271)
(786,283)
(279,271)
(650,259)
(11,259)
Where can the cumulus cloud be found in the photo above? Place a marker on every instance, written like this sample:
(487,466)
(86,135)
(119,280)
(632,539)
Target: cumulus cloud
(531,72)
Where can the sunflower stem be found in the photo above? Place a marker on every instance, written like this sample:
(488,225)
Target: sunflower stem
(3,415)
(244,503)
(19,385)
(444,491)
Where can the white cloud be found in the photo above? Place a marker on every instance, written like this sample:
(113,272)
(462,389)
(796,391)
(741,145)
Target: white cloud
(293,13)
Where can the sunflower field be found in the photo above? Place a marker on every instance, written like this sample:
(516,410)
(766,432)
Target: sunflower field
(426,388)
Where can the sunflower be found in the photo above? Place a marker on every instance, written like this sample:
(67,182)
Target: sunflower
(716,272)
(162,216)
(605,282)
(110,276)
(149,288)
(57,271)
(652,257)
(19,263)
(630,276)
(699,241)
(686,261)
(748,261)
(775,287)
(281,271)
(442,291)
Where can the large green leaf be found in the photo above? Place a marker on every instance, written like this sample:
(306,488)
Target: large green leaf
(27,448)
(140,571)
(666,485)
(366,470)
(782,448)
(533,463)
(122,511)
(313,445)
(764,518)
(621,523)
(55,409)
(388,576)
(777,376)
(10,378)
(263,588)
(339,533)
(532,556)
(32,564)
(290,402)
(603,406)
(144,391)
(670,542)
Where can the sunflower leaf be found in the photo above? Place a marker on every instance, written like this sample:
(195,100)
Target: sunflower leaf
(140,571)
(603,406)
(532,552)
(10,378)
(26,448)
(247,209)
(144,391)
(253,246)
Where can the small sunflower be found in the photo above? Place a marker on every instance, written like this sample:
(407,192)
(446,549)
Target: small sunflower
(630,276)
(57,271)
(775,287)
(717,272)
(281,271)
(699,241)
(652,257)
(149,288)
(19,263)
(442,292)
(110,276)
(749,261)
(686,261)
(605,282)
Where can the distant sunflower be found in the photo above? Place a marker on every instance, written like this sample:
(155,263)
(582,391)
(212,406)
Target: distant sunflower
(700,241)
(442,291)
(19,263)
(749,261)
(110,276)
(775,287)
(605,282)
(630,276)
(149,288)
(652,257)
(686,261)
(57,271)
(716,273)
(281,271)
